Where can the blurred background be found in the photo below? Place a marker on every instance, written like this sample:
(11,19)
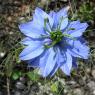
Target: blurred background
(16,78)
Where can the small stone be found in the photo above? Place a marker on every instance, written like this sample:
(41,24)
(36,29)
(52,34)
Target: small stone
(22,79)
(91,85)
(72,82)
(65,91)
(34,89)
(44,2)
(11,33)
(1,93)
(53,0)
(2,54)
(25,9)
(84,78)
(9,18)
(50,94)
(64,0)
(88,70)
(20,85)
(93,73)
(39,83)
(78,91)
(17,93)
(94,92)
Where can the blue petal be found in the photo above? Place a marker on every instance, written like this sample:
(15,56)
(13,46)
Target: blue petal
(82,40)
(49,63)
(27,41)
(39,61)
(53,15)
(33,42)
(54,70)
(33,62)
(62,14)
(78,49)
(43,59)
(38,19)
(66,67)
(43,15)
(57,18)
(60,57)
(73,53)
(64,23)
(78,28)
(30,52)
(60,60)
(32,29)
(74,63)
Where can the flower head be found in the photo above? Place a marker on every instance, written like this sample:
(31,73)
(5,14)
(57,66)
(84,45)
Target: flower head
(52,42)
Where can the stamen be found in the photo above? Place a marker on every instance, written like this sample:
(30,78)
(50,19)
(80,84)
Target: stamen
(71,29)
(51,45)
(56,36)
(45,22)
(60,22)
(69,36)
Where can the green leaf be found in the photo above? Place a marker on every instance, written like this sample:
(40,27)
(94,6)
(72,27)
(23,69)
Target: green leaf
(16,75)
(54,87)
(32,75)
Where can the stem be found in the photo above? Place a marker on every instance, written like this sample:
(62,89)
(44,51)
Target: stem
(8,86)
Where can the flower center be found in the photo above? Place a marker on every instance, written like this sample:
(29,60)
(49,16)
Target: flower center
(56,36)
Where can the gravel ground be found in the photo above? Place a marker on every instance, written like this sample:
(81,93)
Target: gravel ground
(13,12)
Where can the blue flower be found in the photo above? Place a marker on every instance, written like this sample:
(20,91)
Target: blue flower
(52,42)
